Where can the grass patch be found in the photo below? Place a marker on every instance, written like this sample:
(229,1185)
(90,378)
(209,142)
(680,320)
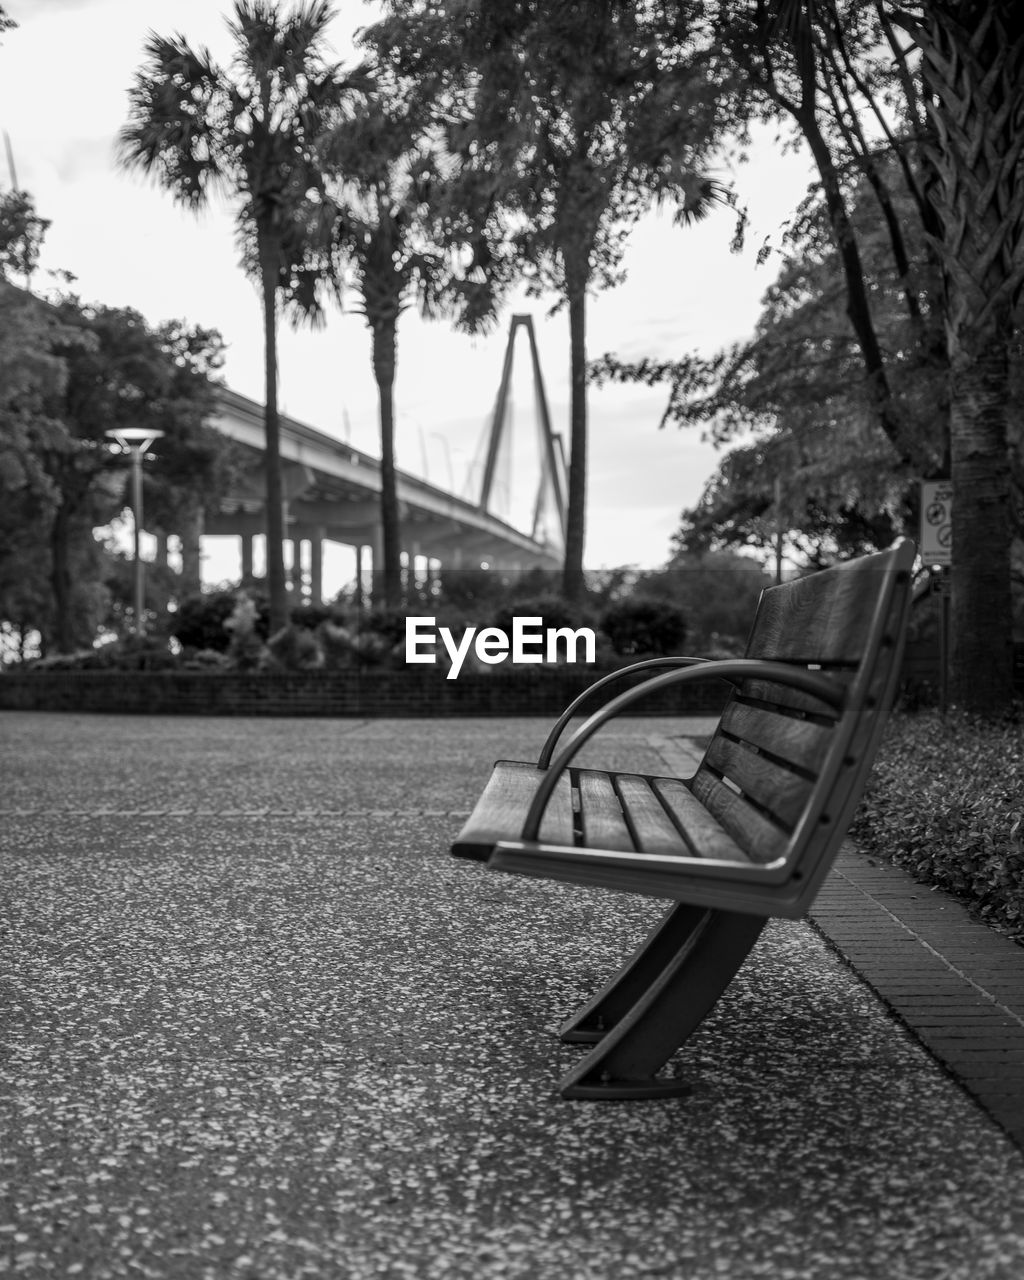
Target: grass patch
(946,802)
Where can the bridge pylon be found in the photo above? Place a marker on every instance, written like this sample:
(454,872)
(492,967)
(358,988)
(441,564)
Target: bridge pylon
(549,505)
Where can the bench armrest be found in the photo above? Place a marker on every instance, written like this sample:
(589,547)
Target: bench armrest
(649,664)
(732,669)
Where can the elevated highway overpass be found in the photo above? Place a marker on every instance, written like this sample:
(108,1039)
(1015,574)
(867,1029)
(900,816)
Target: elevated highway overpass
(332,493)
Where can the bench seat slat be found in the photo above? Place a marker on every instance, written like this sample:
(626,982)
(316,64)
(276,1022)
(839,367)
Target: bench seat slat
(777,695)
(502,807)
(825,617)
(762,839)
(653,829)
(604,826)
(706,837)
(801,742)
(769,785)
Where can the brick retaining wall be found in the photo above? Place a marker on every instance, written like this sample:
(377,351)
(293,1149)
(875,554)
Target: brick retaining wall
(423,692)
(318,693)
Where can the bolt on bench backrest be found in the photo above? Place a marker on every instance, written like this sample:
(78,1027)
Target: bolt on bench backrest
(784,771)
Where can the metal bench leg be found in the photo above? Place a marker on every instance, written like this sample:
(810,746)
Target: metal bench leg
(595,1019)
(625,1062)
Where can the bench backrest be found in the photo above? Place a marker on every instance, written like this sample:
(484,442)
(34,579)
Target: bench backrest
(784,771)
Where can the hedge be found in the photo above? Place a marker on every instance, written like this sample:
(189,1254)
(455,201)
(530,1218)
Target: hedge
(946,802)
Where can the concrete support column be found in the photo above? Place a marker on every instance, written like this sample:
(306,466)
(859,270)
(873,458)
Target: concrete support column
(246,541)
(361,570)
(433,576)
(316,568)
(299,569)
(412,577)
(191,533)
(292,568)
(376,545)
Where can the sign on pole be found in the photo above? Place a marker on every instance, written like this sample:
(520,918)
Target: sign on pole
(936,543)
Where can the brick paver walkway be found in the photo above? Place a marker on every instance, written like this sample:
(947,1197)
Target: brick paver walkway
(955,983)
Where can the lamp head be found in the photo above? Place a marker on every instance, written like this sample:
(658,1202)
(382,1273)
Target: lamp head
(134,437)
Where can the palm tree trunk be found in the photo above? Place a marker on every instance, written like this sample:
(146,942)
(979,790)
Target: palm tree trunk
(573,585)
(384,358)
(982,639)
(60,579)
(973,67)
(276,586)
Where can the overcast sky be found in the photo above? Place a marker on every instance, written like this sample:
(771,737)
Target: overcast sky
(64,76)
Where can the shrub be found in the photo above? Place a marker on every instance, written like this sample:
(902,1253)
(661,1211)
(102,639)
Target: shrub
(246,647)
(552,610)
(296,648)
(205,660)
(472,589)
(717,592)
(142,653)
(945,802)
(199,621)
(380,637)
(639,625)
(337,644)
(80,660)
(388,624)
(132,653)
(311,616)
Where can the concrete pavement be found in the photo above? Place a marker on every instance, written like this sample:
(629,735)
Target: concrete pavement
(258,1023)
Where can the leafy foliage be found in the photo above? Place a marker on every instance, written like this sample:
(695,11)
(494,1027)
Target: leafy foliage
(639,625)
(130,653)
(394,227)
(716,592)
(199,621)
(251,128)
(295,648)
(553,611)
(68,374)
(21,234)
(944,801)
(572,119)
(933,90)
(806,457)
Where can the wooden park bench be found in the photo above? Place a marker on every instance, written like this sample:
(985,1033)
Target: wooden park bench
(751,835)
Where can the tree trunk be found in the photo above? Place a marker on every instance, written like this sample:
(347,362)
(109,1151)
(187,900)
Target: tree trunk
(384,358)
(982,634)
(60,580)
(573,584)
(973,69)
(191,561)
(276,585)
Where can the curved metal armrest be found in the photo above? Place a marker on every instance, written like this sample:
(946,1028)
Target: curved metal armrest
(544,759)
(732,669)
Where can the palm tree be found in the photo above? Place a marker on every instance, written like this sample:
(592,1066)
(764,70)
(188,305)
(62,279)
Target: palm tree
(973,74)
(249,129)
(580,117)
(959,86)
(396,226)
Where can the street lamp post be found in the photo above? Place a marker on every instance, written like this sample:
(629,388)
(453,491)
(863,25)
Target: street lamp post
(136,440)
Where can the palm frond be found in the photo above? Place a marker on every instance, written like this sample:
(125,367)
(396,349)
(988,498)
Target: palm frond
(701,193)
(176,105)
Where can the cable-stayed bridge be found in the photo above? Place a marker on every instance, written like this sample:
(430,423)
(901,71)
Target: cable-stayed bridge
(332,492)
